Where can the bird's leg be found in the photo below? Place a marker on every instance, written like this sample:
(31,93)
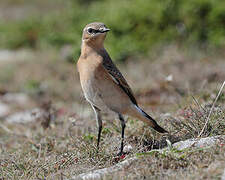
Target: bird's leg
(99,123)
(99,135)
(123,125)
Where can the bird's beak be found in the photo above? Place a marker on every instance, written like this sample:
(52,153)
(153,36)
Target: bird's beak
(105,30)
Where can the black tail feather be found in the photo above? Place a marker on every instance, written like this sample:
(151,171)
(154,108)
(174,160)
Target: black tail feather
(160,129)
(156,126)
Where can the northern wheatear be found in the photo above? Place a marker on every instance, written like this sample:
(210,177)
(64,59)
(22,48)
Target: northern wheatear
(103,84)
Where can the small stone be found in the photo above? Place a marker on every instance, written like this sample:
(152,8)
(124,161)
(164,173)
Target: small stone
(4,110)
(128,148)
(18,98)
(12,56)
(25,117)
(223,176)
(66,53)
(169,78)
(165,115)
(202,142)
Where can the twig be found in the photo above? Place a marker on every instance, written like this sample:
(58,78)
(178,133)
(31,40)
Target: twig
(196,101)
(207,120)
(6,129)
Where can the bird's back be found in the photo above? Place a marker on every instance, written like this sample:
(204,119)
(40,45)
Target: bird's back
(117,76)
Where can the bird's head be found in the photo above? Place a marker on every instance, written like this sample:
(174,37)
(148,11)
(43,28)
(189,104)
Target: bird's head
(94,34)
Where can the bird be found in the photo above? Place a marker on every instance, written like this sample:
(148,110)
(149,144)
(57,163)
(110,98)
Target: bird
(103,85)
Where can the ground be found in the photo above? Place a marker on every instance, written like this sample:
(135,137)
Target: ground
(176,86)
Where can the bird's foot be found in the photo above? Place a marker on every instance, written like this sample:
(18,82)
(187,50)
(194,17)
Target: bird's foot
(120,156)
(121,153)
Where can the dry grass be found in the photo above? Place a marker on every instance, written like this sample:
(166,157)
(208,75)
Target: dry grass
(189,164)
(68,146)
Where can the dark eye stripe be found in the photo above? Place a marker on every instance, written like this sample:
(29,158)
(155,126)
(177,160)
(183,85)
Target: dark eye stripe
(93,31)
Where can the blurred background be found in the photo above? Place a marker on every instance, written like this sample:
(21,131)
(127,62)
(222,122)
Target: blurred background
(137,26)
(172,53)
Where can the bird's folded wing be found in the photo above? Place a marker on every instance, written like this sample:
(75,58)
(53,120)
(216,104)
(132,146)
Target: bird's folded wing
(119,79)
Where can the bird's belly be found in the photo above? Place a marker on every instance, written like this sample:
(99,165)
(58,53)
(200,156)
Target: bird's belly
(93,96)
(102,92)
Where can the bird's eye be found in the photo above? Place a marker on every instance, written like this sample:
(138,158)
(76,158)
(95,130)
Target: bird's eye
(92,31)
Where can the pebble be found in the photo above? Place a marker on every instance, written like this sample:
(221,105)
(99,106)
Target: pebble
(4,110)
(18,98)
(25,116)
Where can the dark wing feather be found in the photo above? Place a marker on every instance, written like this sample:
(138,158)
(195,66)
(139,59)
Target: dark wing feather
(118,77)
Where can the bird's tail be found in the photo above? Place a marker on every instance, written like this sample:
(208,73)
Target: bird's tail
(137,112)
